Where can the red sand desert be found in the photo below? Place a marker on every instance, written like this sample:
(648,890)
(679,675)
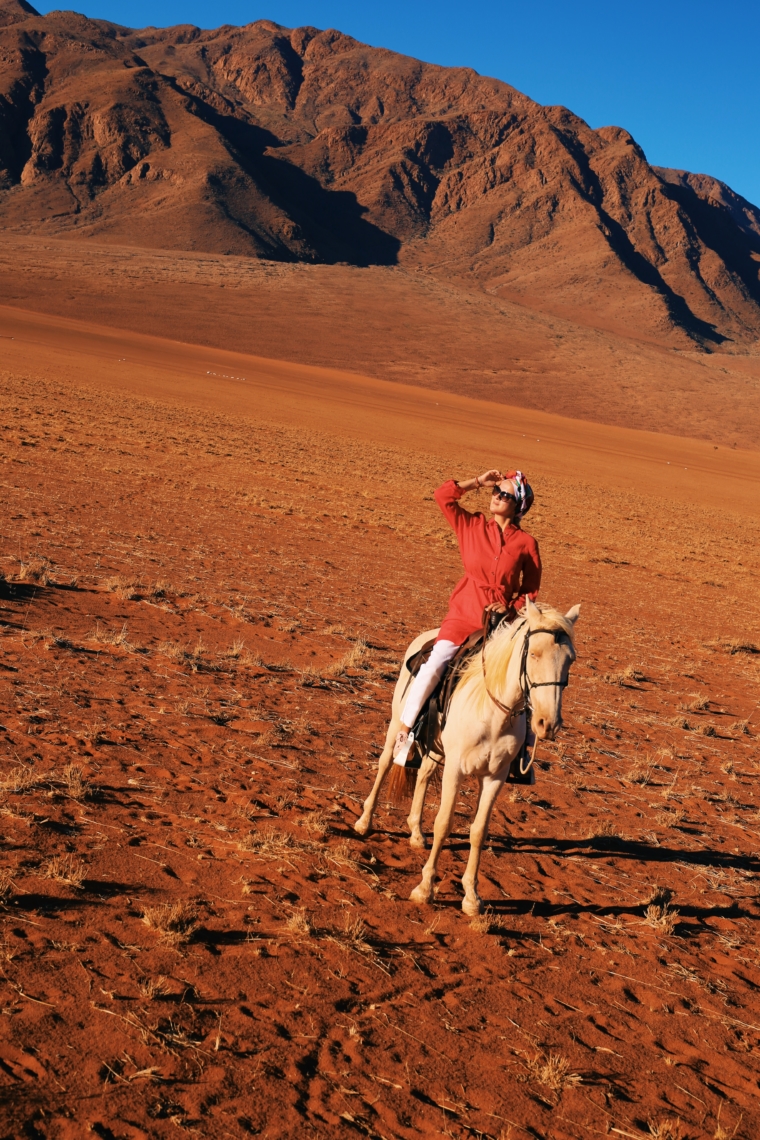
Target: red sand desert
(219,537)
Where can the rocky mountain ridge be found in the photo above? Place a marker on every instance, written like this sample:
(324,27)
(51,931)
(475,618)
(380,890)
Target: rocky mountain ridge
(306,145)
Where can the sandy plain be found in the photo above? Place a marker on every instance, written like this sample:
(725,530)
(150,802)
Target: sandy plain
(213,562)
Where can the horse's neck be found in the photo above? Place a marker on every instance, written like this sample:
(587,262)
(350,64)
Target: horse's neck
(514,680)
(512,690)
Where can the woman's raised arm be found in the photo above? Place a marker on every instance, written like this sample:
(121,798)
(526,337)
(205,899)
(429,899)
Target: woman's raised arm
(487,479)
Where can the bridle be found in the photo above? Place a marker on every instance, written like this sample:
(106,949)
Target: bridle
(526,685)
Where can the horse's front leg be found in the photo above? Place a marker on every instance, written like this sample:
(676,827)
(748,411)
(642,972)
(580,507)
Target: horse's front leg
(414,819)
(452,776)
(490,786)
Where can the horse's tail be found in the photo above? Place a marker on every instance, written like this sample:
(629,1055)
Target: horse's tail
(402,783)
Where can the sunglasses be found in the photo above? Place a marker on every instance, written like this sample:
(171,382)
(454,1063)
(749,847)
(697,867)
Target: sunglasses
(505,496)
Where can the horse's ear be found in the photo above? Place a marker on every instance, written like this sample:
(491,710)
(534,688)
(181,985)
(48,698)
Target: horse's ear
(531,610)
(573,614)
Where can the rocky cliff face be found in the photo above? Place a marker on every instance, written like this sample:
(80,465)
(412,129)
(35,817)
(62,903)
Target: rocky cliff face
(307,145)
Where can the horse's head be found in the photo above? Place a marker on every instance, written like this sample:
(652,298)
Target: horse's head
(550,653)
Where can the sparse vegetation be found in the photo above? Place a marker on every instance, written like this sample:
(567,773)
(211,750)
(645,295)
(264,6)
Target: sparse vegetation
(607,830)
(75,782)
(642,772)
(154,773)
(317,823)
(488,922)
(152,988)
(659,914)
(553,1071)
(117,638)
(19,780)
(298,925)
(175,923)
(666,1129)
(65,869)
(631,675)
(37,570)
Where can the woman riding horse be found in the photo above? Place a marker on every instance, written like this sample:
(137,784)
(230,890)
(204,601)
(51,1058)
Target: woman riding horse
(501,565)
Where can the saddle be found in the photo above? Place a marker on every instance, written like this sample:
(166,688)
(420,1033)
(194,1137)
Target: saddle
(432,718)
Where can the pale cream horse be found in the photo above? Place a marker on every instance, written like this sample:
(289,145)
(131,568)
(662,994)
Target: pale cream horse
(529,659)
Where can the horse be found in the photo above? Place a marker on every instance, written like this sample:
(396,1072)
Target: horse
(524,664)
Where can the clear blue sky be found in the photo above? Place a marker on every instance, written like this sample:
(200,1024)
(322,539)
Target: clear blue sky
(683,76)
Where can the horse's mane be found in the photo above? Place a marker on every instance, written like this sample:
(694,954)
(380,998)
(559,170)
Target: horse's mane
(499,649)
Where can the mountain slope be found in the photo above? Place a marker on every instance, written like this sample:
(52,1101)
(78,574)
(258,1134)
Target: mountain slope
(306,145)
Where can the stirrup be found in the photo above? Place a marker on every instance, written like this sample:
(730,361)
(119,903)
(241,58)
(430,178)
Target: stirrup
(402,750)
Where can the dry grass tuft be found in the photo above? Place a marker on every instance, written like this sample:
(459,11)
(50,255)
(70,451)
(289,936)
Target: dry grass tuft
(670,818)
(236,649)
(174,923)
(152,988)
(737,646)
(36,570)
(65,869)
(128,589)
(697,704)
(659,914)
(553,1071)
(316,823)
(19,780)
(354,659)
(488,922)
(628,676)
(298,925)
(642,772)
(354,935)
(75,782)
(666,1130)
(660,896)
(274,844)
(340,856)
(741,726)
(173,650)
(720,1132)
(607,830)
(6,882)
(682,722)
(110,636)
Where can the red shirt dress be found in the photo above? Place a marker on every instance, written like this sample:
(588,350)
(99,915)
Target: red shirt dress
(500,566)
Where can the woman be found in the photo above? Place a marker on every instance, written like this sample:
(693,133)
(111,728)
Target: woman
(501,565)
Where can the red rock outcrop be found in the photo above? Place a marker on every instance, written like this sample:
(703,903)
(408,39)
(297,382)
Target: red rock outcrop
(306,145)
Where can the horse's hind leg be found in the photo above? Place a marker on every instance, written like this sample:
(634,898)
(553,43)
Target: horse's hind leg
(489,790)
(451,778)
(414,819)
(363,825)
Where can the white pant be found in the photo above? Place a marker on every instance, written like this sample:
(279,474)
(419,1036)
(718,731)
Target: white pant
(427,679)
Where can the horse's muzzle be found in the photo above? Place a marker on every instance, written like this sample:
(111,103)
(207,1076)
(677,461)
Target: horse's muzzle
(546,729)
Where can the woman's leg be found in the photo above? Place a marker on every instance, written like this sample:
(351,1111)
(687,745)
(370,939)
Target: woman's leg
(426,680)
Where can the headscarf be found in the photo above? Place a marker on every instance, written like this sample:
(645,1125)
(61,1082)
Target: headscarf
(523,492)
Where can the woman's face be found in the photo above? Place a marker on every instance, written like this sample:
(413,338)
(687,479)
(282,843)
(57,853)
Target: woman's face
(504,508)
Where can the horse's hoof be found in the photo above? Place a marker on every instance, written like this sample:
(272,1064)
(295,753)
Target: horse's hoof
(363,826)
(417,839)
(421,895)
(472,907)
